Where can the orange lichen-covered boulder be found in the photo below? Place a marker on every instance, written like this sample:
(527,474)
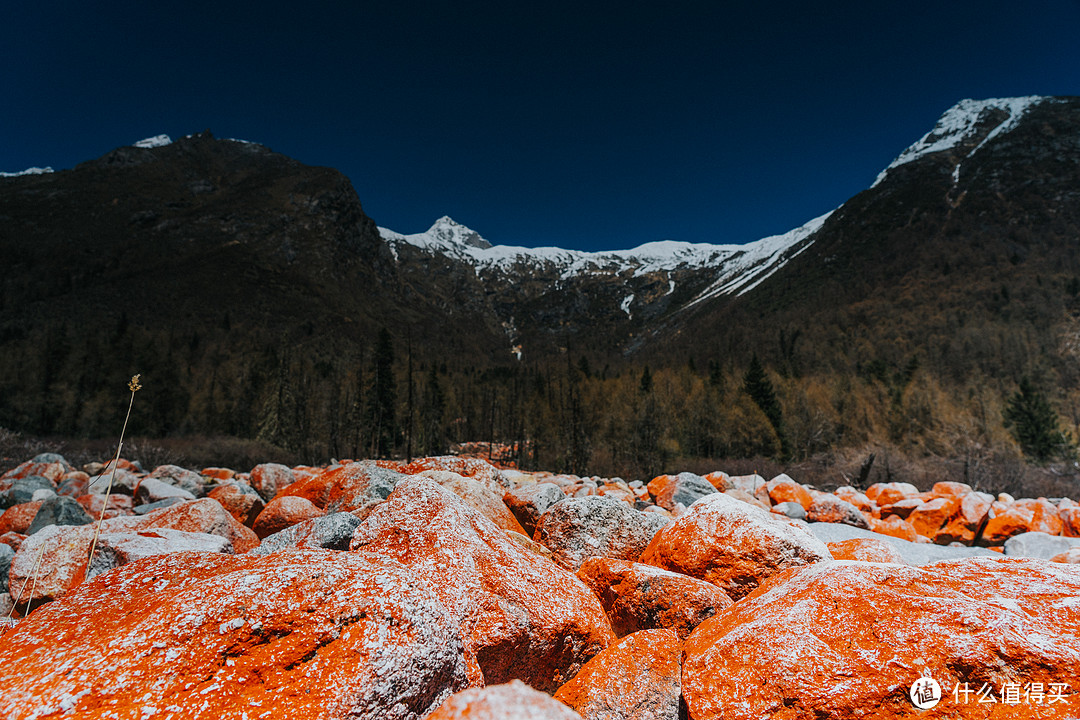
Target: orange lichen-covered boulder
(865,550)
(268,479)
(523,616)
(894,526)
(512,701)
(283,512)
(670,491)
(202,516)
(637,678)
(637,597)
(732,544)
(480,470)
(1071,556)
(929,517)
(479,496)
(54,471)
(18,518)
(529,501)
(888,493)
(293,635)
(242,502)
(1070,520)
(831,509)
(848,639)
(784,489)
(353,487)
(1044,515)
(1005,520)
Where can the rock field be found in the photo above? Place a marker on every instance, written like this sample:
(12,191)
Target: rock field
(447,587)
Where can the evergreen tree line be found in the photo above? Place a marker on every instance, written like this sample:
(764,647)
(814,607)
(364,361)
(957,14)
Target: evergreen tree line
(320,401)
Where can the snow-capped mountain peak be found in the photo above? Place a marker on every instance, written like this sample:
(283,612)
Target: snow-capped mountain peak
(28,171)
(446,230)
(153,142)
(961,123)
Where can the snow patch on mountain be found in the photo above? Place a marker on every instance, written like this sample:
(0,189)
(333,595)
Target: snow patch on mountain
(451,239)
(154,142)
(28,171)
(960,123)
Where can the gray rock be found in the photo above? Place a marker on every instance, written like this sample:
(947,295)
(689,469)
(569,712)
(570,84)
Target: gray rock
(151,507)
(912,553)
(180,477)
(123,482)
(5,607)
(684,489)
(791,509)
(331,532)
(152,490)
(119,548)
(829,508)
(594,526)
(6,554)
(1039,545)
(43,494)
(528,502)
(269,478)
(50,457)
(59,510)
(23,489)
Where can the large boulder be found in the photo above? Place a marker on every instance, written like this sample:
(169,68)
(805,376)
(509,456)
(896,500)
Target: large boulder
(511,701)
(151,490)
(20,491)
(330,532)
(637,678)
(18,518)
(59,510)
(480,470)
(283,512)
(732,544)
(478,495)
(353,487)
(523,616)
(637,597)
(177,476)
(293,635)
(912,553)
(595,526)
(242,501)
(865,550)
(849,639)
(671,491)
(116,549)
(268,479)
(531,500)
(1039,545)
(888,493)
(783,489)
(829,508)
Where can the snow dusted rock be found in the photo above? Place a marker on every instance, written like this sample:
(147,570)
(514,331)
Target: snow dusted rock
(682,489)
(1044,515)
(303,634)
(116,549)
(783,489)
(523,616)
(268,479)
(594,526)
(283,512)
(242,501)
(637,597)
(637,678)
(477,495)
(848,639)
(59,510)
(151,490)
(865,550)
(180,477)
(829,508)
(732,545)
(529,502)
(913,553)
(888,493)
(512,701)
(204,515)
(18,518)
(330,532)
(1039,545)
(353,487)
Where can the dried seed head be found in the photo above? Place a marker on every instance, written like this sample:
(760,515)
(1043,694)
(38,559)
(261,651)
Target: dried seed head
(134,385)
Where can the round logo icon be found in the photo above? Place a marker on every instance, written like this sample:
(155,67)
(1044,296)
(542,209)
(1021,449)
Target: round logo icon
(925,693)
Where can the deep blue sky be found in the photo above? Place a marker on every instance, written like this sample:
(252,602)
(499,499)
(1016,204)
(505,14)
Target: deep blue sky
(592,125)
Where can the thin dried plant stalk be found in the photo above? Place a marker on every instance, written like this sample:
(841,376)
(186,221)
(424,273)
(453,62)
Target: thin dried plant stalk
(134,387)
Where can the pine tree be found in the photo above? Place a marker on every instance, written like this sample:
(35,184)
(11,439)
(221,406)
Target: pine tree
(757,385)
(1034,424)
